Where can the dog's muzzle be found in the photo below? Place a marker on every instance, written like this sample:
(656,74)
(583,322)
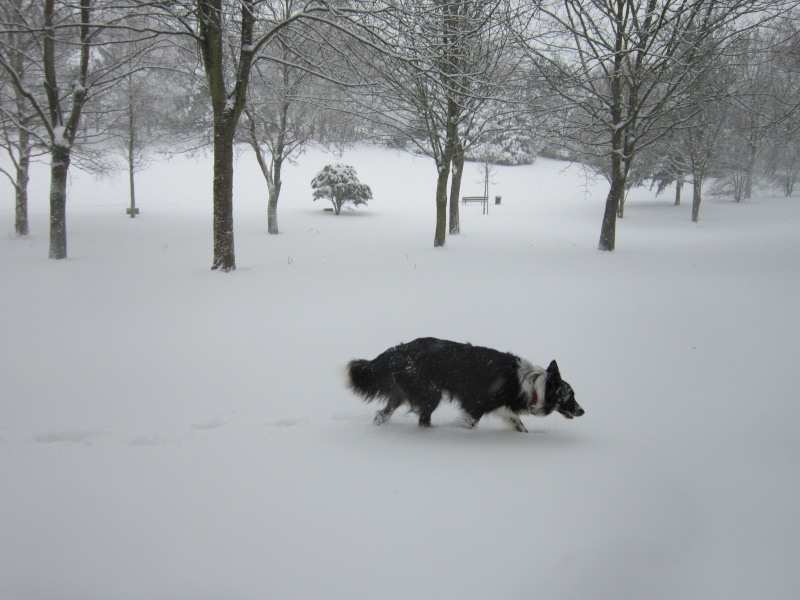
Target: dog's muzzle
(578,412)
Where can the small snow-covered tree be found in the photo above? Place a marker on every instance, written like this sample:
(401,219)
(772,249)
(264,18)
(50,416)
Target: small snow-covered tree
(340,184)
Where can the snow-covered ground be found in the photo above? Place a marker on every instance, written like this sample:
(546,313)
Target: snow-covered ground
(172,433)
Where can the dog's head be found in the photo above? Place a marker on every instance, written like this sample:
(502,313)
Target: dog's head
(559,395)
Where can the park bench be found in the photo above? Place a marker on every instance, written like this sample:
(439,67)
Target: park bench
(484,200)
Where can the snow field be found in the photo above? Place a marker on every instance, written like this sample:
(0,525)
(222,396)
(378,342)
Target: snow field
(168,432)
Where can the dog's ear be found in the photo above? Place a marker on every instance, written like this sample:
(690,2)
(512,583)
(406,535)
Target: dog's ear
(553,369)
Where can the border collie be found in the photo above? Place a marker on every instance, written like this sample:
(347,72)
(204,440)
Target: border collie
(480,380)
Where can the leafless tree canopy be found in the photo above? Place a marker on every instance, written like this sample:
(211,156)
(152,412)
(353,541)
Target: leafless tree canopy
(660,90)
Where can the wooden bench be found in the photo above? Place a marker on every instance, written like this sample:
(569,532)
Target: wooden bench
(484,200)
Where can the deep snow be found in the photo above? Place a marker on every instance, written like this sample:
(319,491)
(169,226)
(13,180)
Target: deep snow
(171,433)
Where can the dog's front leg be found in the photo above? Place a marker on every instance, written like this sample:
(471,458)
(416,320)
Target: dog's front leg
(516,423)
(468,421)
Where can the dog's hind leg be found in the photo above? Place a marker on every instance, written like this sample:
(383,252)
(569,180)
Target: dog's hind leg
(427,403)
(425,407)
(383,415)
(423,397)
(386,413)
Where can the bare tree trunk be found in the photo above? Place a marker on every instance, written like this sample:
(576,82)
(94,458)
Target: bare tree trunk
(678,189)
(63,131)
(697,197)
(224,257)
(132,157)
(608,230)
(628,148)
(272,173)
(277,164)
(455,188)
(751,167)
(274,194)
(59,166)
(21,184)
(624,195)
(441,205)
(448,153)
(23,137)
(133,189)
(226,108)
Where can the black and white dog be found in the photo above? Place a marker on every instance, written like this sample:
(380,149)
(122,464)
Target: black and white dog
(480,380)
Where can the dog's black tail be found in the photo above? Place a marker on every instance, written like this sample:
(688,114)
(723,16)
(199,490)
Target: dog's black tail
(368,381)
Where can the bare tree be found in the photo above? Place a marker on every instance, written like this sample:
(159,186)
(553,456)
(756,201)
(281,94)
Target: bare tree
(219,23)
(135,106)
(62,114)
(754,108)
(286,95)
(442,61)
(231,35)
(69,37)
(699,144)
(16,118)
(783,160)
(625,68)
(129,115)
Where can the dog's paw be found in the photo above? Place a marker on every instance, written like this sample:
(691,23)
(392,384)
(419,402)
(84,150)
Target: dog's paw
(517,424)
(467,422)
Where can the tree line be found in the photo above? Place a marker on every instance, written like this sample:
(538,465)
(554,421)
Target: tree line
(665,91)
